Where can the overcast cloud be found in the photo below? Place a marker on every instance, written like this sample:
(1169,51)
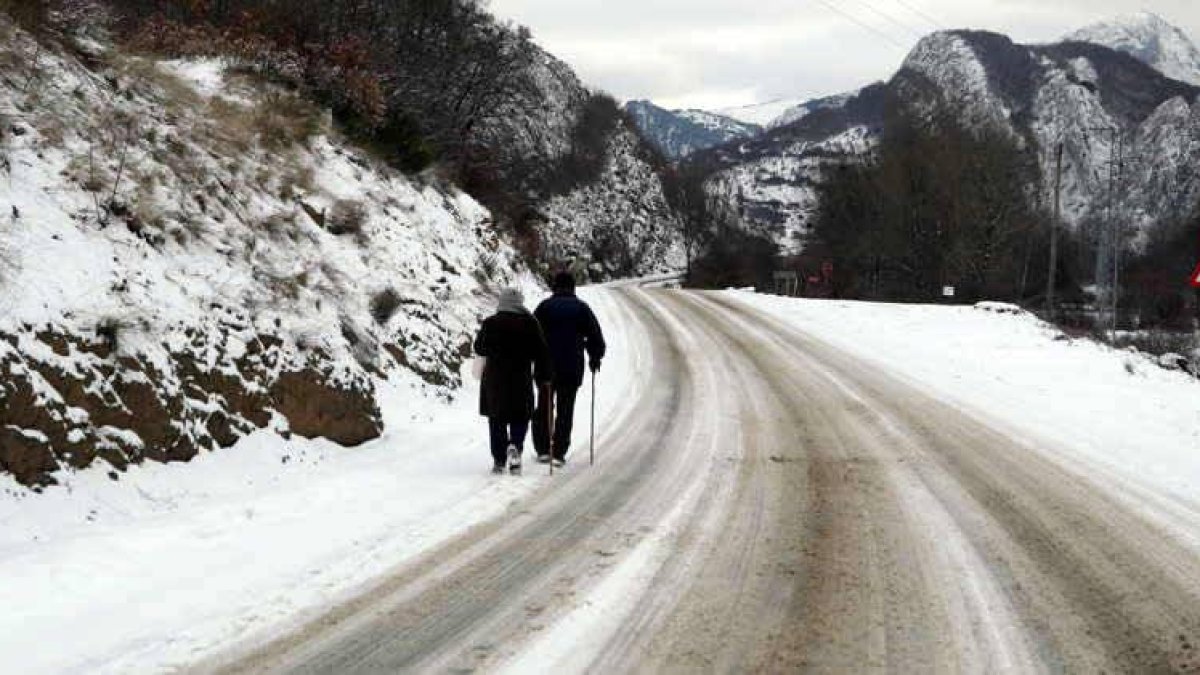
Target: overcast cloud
(721,53)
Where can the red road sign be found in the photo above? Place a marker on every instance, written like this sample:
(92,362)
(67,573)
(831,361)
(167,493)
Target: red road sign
(1196,277)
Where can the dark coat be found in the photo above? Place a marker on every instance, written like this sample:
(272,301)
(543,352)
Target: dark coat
(571,328)
(516,354)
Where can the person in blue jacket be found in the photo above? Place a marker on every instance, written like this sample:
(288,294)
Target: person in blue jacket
(571,329)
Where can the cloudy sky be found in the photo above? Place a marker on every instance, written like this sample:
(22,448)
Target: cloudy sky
(721,53)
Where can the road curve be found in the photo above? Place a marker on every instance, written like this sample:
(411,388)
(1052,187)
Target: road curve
(806,513)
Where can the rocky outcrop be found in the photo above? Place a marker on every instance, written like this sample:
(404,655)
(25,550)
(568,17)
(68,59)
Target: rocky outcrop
(315,407)
(70,401)
(620,208)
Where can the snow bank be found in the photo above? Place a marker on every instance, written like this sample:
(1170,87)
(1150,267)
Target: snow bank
(1116,411)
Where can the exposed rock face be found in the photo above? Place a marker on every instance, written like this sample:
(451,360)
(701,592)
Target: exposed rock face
(28,458)
(315,407)
(70,401)
(622,209)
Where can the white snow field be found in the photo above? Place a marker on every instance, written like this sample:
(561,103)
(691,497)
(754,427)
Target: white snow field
(176,562)
(1114,413)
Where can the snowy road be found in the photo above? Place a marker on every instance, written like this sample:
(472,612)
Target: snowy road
(773,504)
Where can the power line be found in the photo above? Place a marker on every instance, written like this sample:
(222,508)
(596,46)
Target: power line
(890,19)
(863,24)
(920,13)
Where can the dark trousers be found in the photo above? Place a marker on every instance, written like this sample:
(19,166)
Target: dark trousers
(564,421)
(504,433)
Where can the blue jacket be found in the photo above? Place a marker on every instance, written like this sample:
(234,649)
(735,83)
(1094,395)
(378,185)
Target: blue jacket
(570,328)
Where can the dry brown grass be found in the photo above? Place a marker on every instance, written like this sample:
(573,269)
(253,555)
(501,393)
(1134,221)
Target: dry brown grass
(143,76)
(279,225)
(145,208)
(283,119)
(52,132)
(300,179)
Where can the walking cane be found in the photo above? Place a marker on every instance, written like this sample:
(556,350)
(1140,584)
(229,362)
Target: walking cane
(592,446)
(550,424)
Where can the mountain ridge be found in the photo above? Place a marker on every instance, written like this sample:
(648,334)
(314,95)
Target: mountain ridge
(1038,94)
(680,133)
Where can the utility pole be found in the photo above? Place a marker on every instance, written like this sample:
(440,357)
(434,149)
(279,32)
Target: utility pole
(1117,230)
(1106,238)
(1052,280)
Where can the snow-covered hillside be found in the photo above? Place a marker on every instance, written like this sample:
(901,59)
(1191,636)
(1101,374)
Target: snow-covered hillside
(173,563)
(1149,38)
(775,194)
(190,256)
(597,223)
(622,223)
(679,133)
(771,179)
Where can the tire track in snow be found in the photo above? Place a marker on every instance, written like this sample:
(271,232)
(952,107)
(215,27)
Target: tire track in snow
(1095,585)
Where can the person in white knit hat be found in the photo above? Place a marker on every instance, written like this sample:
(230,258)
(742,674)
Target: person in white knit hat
(516,355)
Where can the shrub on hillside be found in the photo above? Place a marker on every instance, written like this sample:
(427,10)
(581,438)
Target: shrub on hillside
(585,163)
(384,306)
(347,217)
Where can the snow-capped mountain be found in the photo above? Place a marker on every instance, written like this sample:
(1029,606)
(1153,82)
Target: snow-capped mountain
(1149,38)
(719,124)
(1072,92)
(679,133)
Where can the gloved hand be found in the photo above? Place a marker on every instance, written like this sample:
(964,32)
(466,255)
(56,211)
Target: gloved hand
(594,365)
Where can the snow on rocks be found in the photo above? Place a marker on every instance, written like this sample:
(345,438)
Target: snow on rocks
(949,61)
(1173,361)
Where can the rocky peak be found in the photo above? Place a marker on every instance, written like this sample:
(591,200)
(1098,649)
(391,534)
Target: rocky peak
(1149,38)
